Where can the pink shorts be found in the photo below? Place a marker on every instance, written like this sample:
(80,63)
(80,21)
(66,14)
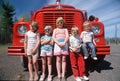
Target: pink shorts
(60,51)
(46,53)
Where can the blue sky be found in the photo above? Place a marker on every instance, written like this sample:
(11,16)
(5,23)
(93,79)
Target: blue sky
(108,11)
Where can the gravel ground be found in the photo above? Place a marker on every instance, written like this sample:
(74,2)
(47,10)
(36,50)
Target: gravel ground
(107,70)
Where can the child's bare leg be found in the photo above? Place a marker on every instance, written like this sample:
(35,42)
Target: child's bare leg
(58,65)
(35,64)
(63,65)
(49,60)
(43,65)
(30,67)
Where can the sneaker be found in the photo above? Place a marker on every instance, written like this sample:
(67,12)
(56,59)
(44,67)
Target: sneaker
(63,79)
(31,79)
(85,57)
(42,78)
(84,78)
(36,78)
(78,79)
(49,78)
(58,79)
(95,58)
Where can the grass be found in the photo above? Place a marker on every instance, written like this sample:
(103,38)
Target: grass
(3,47)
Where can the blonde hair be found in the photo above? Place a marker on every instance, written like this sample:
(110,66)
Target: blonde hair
(34,24)
(74,28)
(86,24)
(59,19)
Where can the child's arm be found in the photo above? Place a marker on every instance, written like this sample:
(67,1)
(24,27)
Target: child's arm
(67,36)
(81,36)
(93,40)
(78,47)
(70,48)
(51,42)
(25,43)
(73,49)
(44,41)
(54,38)
(37,44)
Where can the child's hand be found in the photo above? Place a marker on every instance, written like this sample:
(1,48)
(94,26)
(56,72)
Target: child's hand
(74,49)
(48,40)
(61,44)
(33,51)
(71,49)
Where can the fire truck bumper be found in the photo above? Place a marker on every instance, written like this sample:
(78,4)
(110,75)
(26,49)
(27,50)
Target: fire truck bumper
(103,50)
(19,50)
(16,51)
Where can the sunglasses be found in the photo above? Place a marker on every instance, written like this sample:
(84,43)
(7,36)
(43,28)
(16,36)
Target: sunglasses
(75,31)
(47,30)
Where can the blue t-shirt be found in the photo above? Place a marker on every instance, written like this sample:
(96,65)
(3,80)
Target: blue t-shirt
(46,46)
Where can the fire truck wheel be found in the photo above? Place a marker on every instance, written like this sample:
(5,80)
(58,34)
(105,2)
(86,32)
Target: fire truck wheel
(25,63)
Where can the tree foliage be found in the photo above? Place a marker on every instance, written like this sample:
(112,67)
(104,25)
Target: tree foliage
(7,13)
(26,16)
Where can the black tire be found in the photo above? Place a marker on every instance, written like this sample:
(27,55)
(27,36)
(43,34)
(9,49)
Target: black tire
(25,63)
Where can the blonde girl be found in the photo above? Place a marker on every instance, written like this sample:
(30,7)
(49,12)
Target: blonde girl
(60,37)
(31,44)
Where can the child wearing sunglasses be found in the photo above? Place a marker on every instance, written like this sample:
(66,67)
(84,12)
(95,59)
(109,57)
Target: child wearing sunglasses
(46,53)
(60,37)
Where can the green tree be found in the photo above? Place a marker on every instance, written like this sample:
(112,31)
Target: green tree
(1,1)
(7,20)
(26,16)
(15,19)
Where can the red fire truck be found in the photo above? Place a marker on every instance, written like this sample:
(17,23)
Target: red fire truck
(47,15)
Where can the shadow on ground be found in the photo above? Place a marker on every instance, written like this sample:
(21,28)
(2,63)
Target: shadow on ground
(103,65)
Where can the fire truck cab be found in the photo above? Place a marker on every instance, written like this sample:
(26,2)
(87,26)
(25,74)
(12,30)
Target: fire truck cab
(47,15)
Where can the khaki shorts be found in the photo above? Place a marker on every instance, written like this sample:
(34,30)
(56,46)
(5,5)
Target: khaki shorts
(30,54)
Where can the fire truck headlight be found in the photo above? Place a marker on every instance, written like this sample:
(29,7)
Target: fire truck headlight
(96,29)
(22,29)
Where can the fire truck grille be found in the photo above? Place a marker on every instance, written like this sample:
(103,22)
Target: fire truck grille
(50,19)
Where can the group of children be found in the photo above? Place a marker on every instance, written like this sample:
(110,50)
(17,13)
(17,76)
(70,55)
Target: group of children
(58,44)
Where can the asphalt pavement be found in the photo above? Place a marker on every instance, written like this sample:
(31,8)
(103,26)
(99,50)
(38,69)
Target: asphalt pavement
(108,70)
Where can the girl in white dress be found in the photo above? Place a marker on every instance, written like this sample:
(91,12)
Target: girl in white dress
(31,43)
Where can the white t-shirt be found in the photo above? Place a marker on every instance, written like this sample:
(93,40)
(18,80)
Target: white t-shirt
(75,41)
(32,39)
(87,36)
